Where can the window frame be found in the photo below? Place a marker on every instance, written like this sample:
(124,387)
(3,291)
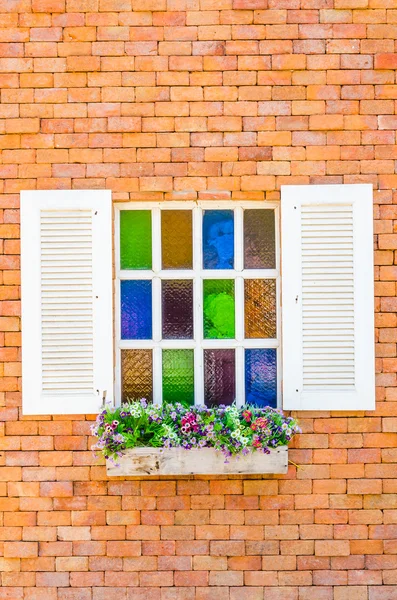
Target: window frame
(197,274)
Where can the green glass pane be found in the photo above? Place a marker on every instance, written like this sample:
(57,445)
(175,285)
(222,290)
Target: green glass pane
(178,376)
(135,239)
(219,309)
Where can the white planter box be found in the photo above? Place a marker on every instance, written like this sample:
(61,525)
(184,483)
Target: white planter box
(204,461)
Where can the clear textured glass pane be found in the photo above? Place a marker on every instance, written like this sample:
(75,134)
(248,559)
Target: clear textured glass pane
(136,310)
(177,309)
(218,239)
(218,308)
(259,239)
(135,239)
(178,376)
(176,239)
(260,308)
(136,375)
(261,376)
(219,377)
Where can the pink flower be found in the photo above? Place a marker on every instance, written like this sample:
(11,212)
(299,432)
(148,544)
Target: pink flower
(256,442)
(261,423)
(247,415)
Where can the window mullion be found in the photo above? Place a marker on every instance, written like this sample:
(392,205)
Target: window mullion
(156,307)
(238,239)
(198,307)
(240,387)
(157,375)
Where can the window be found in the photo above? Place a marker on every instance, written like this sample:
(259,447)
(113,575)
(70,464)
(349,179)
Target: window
(197,302)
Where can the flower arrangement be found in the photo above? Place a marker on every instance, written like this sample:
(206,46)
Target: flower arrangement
(229,429)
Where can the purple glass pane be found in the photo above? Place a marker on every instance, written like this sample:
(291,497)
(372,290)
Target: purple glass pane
(219,377)
(177,309)
(261,376)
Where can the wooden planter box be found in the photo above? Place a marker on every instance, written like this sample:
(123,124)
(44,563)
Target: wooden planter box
(204,461)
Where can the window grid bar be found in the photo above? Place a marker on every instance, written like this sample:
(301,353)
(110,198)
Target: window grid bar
(238,239)
(206,344)
(198,307)
(278,305)
(117,313)
(157,369)
(239,303)
(240,379)
(203,273)
(157,375)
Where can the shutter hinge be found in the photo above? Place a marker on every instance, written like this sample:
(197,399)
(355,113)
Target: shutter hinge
(104,393)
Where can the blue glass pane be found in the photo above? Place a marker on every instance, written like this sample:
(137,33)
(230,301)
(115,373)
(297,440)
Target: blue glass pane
(136,310)
(261,377)
(218,239)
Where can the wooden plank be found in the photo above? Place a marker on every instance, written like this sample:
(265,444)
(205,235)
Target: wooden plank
(204,461)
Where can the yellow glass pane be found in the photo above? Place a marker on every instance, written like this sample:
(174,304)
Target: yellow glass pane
(176,239)
(260,308)
(136,375)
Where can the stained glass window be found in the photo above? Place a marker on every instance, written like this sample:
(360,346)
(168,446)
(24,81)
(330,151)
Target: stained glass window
(198,299)
(136,310)
(176,239)
(260,308)
(259,239)
(218,239)
(219,377)
(136,374)
(135,239)
(177,309)
(178,376)
(218,308)
(261,376)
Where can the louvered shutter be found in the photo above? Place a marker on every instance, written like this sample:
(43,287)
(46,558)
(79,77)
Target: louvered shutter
(67,322)
(328,297)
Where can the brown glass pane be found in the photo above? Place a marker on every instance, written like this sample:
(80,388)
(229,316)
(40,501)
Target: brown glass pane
(177,309)
(219,377)
(176,239)
(260,308)
(259,239)
(136,375)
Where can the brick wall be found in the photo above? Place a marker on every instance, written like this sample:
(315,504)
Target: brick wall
(207,99)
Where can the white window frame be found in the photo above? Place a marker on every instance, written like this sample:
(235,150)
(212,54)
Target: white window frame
(197,274)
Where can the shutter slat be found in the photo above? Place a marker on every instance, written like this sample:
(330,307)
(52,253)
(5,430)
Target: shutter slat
(328,320)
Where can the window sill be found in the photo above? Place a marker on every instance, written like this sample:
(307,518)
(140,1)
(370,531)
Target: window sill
(204,461)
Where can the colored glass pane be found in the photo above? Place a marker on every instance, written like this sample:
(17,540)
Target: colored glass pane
(177,309)
(136,310)
(136,375)
(178,376)
(259,239)
(176,239)
(135,239)
(219,377)
(261,376)
(260,308)
(218,239)
(218,308)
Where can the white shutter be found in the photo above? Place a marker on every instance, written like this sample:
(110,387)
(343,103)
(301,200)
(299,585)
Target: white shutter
(328,297)
(67,322)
